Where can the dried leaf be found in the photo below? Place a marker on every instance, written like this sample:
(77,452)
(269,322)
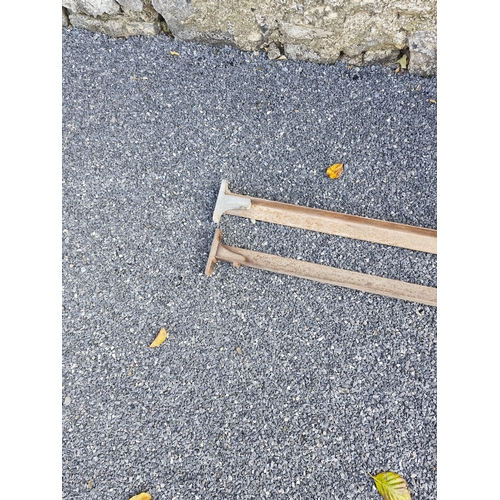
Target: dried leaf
(174,53)
(281,58)
(160,338)
(141,496)
(335,170)
(239,351)
(403,62)
(89,484)
(392,486)
(432,100)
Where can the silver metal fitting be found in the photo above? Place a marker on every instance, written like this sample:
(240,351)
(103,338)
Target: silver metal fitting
(227,201)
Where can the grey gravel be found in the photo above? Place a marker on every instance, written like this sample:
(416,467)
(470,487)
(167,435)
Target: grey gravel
(268,386)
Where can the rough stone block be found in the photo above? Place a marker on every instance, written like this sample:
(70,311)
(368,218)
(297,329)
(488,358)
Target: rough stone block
(121,26)
(132,5)
(273,52)
(316,31)
(423,53)
(92,7)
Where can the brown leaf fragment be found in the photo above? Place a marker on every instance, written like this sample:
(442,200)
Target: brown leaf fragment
(281,58)
(433,101)
(391,486)
(335,170)
(89,484)
(239,351)
(141,496)
(160,338)
(174,53)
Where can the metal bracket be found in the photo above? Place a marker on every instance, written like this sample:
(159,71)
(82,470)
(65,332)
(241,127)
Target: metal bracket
(227,201)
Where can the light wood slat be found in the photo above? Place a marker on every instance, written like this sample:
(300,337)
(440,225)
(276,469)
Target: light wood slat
(349,226)
(318,272)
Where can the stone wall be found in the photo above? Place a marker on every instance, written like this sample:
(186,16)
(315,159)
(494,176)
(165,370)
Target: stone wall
(360,32)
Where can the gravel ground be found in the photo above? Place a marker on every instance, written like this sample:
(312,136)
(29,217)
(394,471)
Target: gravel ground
(268,386)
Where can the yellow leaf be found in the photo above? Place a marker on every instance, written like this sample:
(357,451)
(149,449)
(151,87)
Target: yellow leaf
(392,486)
(239,351)
(432,100)
(141,496)
(174,53)
(403,62)
(281,58)
(335,170)
(160,338)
